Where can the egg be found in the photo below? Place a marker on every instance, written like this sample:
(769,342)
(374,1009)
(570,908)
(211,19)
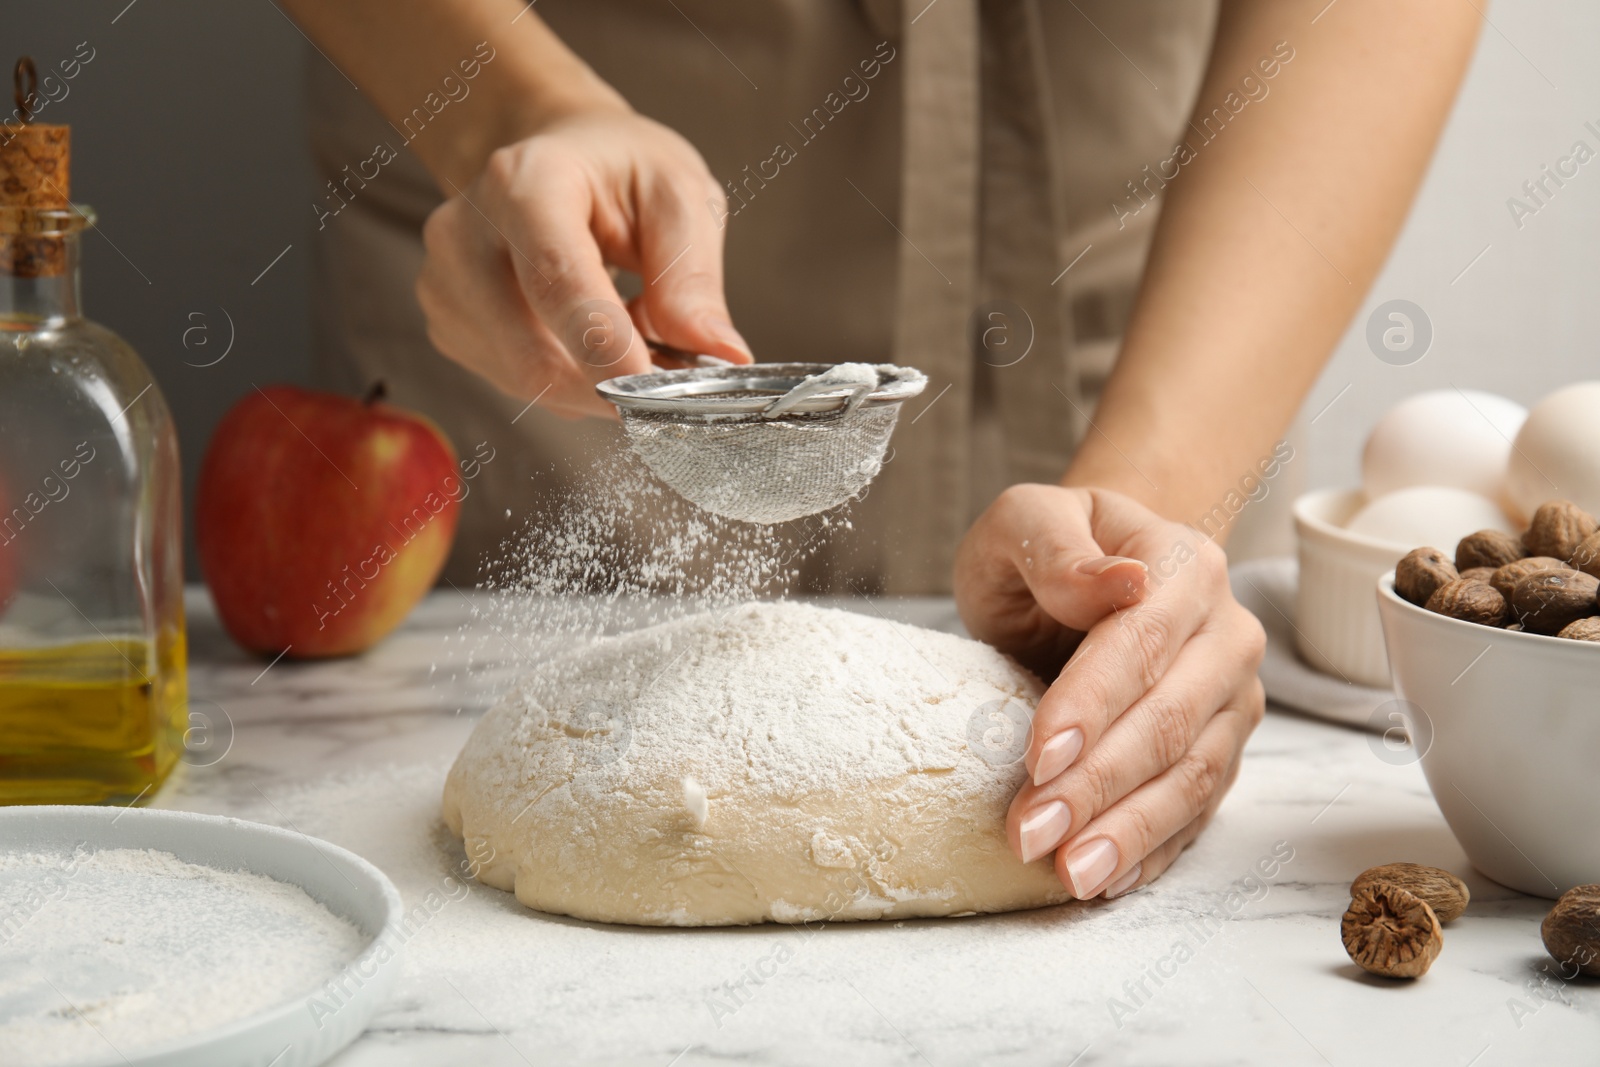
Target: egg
(1453,437)
(1558,451)
(1433,515)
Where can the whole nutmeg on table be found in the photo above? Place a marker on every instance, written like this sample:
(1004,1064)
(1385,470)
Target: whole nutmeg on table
(1546,602)
(1506,578)
(1391,931)
(1487,548)
(1421,572)
(1446,894)
(1470,600)
(1557,529)
(1571,931)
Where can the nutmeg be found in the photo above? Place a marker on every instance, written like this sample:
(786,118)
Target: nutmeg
(1446,894)
(1571,931)
(1421,572)
(1487,548)
(1547,601)
(1585,629)
(1391,931)
(1470,600)
(1506,578)
(1558,528)
(1479,574)
(1586,557)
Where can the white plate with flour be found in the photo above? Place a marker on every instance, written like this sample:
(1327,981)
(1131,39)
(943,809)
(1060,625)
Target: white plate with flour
(137,938)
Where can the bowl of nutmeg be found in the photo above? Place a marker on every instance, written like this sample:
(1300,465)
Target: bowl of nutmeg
(1495,653)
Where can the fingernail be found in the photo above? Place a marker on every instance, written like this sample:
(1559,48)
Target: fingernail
(723,331)
(1043,830)
(1090,865)
(1057,755)
(1125,883)
(1096,567)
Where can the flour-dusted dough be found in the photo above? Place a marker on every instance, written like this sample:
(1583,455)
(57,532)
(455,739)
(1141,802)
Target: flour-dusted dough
(777,761)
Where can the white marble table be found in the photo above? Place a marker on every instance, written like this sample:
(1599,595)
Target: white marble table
(355,751)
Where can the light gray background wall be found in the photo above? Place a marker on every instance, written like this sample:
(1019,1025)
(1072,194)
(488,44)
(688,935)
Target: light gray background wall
(1522,320)
(189,139)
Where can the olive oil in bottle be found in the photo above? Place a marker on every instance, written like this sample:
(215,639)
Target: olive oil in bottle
(92,685)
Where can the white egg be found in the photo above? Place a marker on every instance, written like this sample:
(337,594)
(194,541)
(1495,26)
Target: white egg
(1433,515)
(1558,451)
(1457,437)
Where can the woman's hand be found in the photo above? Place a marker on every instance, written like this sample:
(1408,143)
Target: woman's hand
(516,287)
(1140,734)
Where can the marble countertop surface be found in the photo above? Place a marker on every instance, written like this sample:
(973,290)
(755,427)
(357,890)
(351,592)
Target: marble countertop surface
(1233,957)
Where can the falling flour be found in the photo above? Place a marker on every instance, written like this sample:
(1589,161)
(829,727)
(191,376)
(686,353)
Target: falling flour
(626,553)
(103,954)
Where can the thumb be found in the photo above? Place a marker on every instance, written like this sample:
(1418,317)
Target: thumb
(1083,585)
(1072,578)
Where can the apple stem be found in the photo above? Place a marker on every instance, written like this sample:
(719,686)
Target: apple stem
(376,393)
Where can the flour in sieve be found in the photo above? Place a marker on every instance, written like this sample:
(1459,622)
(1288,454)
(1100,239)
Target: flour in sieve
(148,948)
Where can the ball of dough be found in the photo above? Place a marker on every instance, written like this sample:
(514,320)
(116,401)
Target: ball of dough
(774,762)
(1558,451)
(1453,437)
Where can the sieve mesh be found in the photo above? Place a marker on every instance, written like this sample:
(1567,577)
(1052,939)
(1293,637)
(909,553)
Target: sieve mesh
(764,443)
(765,470)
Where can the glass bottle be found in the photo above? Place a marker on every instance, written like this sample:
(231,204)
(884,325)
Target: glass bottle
(93,698)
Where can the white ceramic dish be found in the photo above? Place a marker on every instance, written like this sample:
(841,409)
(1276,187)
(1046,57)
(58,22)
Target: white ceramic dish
(1266,588)
(1507,725)
(1336,625)
(291,1034)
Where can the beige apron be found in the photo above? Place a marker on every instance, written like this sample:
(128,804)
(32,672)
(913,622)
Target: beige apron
(936,214)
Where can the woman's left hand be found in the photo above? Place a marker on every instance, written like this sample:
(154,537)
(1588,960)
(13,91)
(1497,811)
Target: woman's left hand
(1140,734)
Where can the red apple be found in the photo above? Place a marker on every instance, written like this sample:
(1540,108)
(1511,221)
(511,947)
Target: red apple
(321,520)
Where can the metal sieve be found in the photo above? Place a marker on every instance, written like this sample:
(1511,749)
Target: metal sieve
(767,442)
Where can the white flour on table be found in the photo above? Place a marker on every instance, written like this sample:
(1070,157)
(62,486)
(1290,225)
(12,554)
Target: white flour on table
(103,954)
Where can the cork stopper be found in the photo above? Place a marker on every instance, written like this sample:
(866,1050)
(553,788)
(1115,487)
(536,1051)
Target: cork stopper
(35,173)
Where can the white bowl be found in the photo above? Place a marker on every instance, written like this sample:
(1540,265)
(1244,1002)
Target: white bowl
(301,1032)
(1336,624)
(1507,725)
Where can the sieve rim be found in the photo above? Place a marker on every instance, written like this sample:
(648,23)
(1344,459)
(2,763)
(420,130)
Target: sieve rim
(701,391)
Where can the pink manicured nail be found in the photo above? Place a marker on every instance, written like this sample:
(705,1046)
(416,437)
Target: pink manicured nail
(724,332)
(1057,755)
(1090,865)
(1043,830)
(1096,567)
(1125,883)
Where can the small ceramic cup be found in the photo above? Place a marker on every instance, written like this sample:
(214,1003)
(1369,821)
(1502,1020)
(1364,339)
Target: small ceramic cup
(1336,622)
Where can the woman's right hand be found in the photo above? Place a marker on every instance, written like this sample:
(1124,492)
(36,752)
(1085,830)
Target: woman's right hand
(515,285)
